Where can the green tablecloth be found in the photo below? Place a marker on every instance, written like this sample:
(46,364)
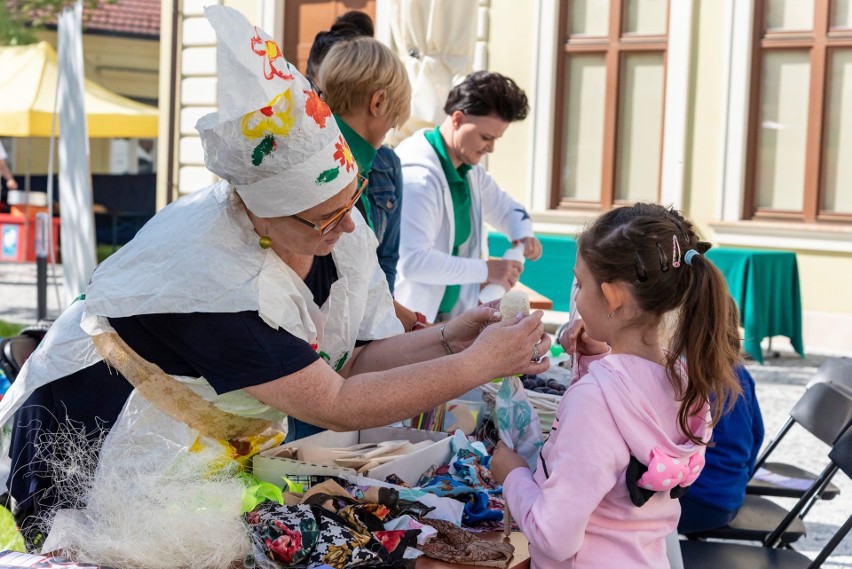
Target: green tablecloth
(765,285)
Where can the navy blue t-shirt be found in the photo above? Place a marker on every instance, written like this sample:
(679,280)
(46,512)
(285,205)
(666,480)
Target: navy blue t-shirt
(230,350)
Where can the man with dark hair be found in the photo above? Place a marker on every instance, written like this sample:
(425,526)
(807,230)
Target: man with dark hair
(449,196)
(361,21)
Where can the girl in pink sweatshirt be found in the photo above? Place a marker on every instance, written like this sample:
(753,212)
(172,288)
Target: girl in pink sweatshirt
(629,435)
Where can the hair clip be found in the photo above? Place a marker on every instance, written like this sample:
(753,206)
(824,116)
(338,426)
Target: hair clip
(675,252)
(664,262)
(641,274)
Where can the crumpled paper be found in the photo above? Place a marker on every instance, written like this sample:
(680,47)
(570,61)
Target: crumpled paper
(517,421)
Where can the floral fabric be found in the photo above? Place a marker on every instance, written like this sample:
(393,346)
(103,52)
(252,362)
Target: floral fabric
(328,529)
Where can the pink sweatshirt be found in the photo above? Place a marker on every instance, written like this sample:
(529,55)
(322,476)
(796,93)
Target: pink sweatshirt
(575,509)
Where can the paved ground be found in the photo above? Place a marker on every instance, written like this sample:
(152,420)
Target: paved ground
(780,382)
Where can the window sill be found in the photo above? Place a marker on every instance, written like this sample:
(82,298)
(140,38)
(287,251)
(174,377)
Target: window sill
(808,237)
(562,222)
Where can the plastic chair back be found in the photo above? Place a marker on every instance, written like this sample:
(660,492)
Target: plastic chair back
(837,372)
(824,411)
(14,352)
(841,453)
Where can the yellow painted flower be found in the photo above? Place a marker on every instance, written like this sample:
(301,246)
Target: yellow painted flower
(276,118)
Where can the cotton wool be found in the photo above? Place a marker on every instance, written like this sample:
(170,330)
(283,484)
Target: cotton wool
(513,303)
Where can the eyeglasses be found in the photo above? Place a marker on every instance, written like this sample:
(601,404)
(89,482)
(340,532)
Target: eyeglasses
(328,226)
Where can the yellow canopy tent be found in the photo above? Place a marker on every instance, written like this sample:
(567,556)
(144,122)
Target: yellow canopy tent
(28,96)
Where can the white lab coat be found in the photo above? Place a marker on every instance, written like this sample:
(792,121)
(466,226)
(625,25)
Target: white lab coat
(426,265)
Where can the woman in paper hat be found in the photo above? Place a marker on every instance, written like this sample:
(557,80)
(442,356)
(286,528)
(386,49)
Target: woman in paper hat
(233,307)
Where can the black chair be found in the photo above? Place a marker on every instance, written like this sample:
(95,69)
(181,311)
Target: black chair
(15,350)
(826,413)
(714,555)
(837,372)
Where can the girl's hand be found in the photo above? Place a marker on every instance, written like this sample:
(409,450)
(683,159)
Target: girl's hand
(504,460)
(575,340)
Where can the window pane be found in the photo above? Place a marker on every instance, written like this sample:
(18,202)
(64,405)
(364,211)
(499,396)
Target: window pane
(584,119)
(641,127)
(837,173)
(589,17)
(783,130)
(841,14)
(646,17)
(790,14)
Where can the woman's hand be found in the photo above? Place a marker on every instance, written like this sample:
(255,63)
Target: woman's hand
(514,346)
(532,247)
(504,460)
(463,330)
(575,340)
(503,272)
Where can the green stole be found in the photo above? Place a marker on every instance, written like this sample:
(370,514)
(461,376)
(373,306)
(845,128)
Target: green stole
(460,192)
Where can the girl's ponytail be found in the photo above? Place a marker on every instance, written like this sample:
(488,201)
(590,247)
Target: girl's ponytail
(707,334)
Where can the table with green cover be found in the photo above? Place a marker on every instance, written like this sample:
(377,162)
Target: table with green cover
(765,286)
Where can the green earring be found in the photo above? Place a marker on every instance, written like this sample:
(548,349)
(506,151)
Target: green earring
(265,242)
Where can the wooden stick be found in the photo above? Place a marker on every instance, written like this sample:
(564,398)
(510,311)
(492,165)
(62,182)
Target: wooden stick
(507,519)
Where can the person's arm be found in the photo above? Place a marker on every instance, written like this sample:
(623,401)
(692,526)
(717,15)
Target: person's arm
(420,257)
(7,175)
(583,463)
(410,319)
(372,398)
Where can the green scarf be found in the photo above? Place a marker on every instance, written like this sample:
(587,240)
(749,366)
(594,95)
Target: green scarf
(460,192)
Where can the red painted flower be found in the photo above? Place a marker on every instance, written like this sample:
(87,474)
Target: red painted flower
(273,59)
(343,155)
(316,108)
(389,539)
(285,546)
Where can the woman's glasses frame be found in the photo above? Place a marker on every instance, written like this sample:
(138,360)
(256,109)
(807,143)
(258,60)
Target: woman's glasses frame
(326,227)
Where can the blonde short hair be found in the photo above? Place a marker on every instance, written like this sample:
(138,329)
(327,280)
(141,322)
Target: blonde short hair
(354,69)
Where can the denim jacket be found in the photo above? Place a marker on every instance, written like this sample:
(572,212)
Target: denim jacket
(384,191)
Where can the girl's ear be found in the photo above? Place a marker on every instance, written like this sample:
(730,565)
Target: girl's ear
(377,103)
(614,295)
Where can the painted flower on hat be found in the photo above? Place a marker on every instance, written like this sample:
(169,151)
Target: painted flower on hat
(275,118)
(316,108)
(343,155)
(272,57)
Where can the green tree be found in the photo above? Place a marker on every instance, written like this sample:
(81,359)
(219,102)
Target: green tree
(20,19)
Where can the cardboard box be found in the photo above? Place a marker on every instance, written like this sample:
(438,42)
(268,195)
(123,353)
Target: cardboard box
(271,467)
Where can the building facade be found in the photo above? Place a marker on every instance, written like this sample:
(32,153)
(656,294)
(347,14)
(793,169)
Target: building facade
(735,111)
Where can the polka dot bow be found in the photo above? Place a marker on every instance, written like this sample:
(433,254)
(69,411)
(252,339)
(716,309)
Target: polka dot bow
(664,471)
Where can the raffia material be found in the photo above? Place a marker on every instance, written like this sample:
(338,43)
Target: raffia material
(172,397)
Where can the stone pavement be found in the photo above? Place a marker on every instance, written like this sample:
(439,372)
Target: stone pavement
(18,294)
(780,383)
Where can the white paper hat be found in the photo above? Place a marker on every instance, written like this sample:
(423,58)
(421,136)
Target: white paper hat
(272,138)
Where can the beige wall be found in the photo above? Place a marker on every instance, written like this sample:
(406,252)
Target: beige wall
(704,121)
(510,52)
(703,181)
